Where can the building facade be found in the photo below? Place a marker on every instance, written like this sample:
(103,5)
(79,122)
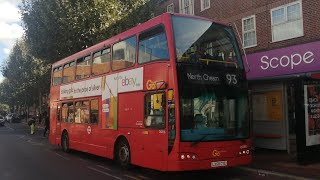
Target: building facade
(281,39)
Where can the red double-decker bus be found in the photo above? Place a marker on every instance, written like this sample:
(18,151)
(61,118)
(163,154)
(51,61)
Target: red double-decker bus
(169,94)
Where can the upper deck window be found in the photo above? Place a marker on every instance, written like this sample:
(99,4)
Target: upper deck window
(57,76)
(153,45)
(83,67)
(101,62)
(124,54)
(199,41)
(68,72)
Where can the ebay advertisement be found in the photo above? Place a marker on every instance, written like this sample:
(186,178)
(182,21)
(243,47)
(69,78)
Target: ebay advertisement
(284,61)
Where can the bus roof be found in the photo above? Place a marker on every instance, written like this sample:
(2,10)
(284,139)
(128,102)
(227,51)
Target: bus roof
(139,28)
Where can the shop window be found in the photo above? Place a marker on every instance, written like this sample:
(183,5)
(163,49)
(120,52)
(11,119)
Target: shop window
(249,31)
(94,111)
(153,45)
(83,67)
(287,21)
(67,112)
(101,62)
(155,111)
(68,72)
(57,76)
(186,7)
(82,112)
(124,54)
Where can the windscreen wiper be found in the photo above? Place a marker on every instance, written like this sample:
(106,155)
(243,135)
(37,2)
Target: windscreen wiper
(199,140)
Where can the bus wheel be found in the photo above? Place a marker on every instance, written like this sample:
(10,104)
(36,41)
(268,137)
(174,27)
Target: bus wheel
(123,154)
(65,142)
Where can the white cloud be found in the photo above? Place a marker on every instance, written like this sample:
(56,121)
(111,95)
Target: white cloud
(9,12)
(10,31)
(6,51)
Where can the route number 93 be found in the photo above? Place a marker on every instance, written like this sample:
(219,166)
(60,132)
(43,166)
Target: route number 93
(231,79)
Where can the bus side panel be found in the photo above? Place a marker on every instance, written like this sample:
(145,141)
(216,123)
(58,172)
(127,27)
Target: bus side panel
(54,135)
(53,123)
(130,119)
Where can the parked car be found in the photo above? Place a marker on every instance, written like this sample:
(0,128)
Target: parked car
(2,121)
(12,117)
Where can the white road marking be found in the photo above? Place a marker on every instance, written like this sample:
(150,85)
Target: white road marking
(65,158)
(131,177)
(103,167)
(143,177)
(105,173)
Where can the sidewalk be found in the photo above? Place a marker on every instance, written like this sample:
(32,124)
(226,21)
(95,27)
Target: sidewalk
(281,164)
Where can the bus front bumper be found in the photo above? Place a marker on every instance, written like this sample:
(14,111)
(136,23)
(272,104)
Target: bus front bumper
(189,165)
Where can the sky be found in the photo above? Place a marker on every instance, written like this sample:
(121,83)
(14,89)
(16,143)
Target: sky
(10,28)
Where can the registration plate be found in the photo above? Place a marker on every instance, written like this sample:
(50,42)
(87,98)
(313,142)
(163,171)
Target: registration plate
(219,163)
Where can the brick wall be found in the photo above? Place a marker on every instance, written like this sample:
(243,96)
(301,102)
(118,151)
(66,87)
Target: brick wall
(232,11)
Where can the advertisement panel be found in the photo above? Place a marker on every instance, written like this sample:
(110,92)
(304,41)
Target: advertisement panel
(113,84)
(87,88)
(312,114)
(267,106)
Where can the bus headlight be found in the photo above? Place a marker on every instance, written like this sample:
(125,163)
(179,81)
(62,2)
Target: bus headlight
(188,156)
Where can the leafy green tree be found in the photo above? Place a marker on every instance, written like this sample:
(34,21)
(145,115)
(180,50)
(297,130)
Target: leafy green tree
(4,109)
(25,76)
(58,28)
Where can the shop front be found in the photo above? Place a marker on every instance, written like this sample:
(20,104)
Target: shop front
(285,86)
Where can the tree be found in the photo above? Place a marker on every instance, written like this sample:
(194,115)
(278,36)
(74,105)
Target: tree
(25,76)
(58,28)
(4,109)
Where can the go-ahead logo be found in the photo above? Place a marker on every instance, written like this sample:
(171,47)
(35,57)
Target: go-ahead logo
(216,153)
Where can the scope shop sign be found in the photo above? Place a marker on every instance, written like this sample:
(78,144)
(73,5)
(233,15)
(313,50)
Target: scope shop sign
(284,61)
(312,114)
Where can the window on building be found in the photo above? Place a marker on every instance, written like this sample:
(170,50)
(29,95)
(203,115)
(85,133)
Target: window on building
(170,8)
(101,62)
(81,112)
(94,111)
(287,21)
(67,112)
(186,7)
(155,110)
(249,31)
(124,54)
(153,45)
(57,76)
(68,72)
(83,67)
(205,4)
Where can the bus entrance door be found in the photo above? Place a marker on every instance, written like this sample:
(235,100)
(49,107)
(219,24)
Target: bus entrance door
(155,134)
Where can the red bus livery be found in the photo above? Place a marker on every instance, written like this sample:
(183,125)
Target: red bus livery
(169,94)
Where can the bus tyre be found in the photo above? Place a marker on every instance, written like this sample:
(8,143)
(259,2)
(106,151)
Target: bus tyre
(65,142)
(123,155)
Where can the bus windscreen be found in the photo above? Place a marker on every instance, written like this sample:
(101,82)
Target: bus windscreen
(205,42)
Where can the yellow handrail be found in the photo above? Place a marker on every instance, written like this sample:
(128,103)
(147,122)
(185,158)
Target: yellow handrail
(216,61)
(225,62)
